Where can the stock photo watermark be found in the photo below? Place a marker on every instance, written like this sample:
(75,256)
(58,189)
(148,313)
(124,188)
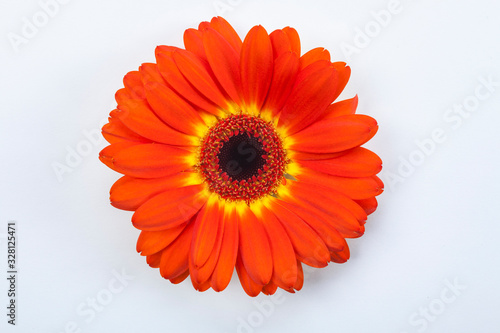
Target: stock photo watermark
(421,319)
(364,36)
(88,310)
(75,154)
(264,308)
(223,6)
(12,271)
(32,24)
(453,117)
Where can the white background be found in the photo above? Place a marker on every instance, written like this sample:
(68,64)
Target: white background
(436,225)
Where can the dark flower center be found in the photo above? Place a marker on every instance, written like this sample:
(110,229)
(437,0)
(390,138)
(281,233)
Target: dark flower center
(242,158)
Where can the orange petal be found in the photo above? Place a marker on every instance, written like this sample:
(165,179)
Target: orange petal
(107,155)
(205,232)
(150,73)
(195,71)
(169,209)
(280,42)
(357,162)
(343,74)
(174,259)
(181,277)
(283,254)
(339,211)
(154,260)
(309,247)
(312,93)
(256,66)
(286,68)
(114,131)
(270,288)
(170,72)
(172,109)
(335,135)
(228,253)
(138,117)
(314,55)
(354,188)
(201,275)
(193,43)
(128,193)
(299,155)
(133,82)
(224,61)
(226,30)
(255,250)
(369,204)
(319,223)
(151,242)
(300,277)
(341,256)
(147,160)
(294,39)
(251,288)
(342,108)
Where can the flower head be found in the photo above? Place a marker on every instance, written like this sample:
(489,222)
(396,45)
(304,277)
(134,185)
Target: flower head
(235,155)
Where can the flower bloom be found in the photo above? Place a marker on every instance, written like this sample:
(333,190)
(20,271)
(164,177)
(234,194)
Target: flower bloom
(235,155)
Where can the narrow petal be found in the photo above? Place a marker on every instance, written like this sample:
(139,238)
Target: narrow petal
(154,260)
(256,66)
(357,162)
(255,250)
(308,246)
(205,232)
(202,274)
(133,82)
(169,209)
(285,71)
(181,277)
(300,277)
(340,212)
(312,93)
(354,188)
(251,288)
(228,252)
(173,110)
(314,55)
(151,242)
(270,288)
(343,74)
(226,30)
(138,117)
(129,193)
(150,73)
(342,108)
(193,43)
(319,223)
(114,131)
(224,61)
(341,256)
(294,39)
(283,254)
(196,73)
(171,73)
(174,259)
(107,155)
(369,204)
(335,135)
(148,160)
(280,42)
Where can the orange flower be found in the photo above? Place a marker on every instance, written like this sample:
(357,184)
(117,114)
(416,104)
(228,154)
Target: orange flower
(234,156)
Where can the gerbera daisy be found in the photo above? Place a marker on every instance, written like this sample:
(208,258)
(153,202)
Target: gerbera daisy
(234,156)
